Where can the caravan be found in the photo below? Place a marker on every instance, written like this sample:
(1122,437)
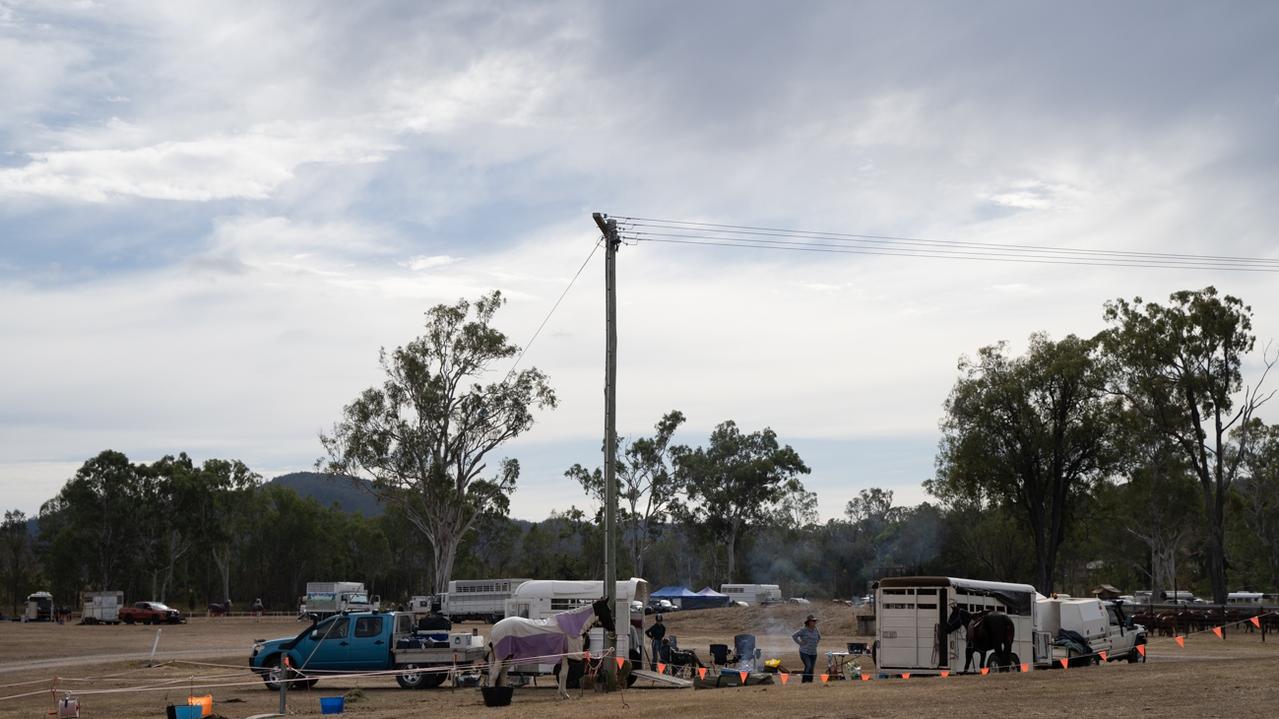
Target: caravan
(543,598)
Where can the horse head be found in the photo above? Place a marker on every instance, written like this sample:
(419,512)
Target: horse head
(959,617)
(604,614)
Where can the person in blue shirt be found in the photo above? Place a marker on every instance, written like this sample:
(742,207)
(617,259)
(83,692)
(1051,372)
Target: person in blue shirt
(657,632)
(807,639)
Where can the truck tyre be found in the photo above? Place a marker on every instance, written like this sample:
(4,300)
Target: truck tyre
(274,676)
(412,678)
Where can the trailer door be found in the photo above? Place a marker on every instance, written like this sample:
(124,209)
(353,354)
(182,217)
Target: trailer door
(908,620)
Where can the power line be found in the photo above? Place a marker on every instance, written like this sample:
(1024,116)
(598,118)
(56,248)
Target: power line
(747,236)
(554,307)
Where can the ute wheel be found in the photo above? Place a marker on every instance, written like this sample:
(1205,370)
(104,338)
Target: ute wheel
(412,677)
(275,676)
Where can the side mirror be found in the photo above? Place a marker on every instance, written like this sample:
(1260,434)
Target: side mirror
(315,635)
(377,599)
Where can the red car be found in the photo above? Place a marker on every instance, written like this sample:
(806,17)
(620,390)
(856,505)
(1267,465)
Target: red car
(150,613)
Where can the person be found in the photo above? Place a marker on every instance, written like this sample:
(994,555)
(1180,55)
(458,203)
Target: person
(258,608)
(656,633)
(807,639)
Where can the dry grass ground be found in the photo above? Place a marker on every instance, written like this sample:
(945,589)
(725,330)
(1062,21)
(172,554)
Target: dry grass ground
(106,666)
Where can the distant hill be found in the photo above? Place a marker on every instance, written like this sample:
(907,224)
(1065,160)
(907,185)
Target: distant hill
(348,494)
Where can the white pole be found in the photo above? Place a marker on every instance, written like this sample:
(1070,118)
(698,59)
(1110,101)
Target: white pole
(154,646)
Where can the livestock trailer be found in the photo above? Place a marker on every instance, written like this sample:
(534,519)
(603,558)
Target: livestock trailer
(39,608)
(752,594)
(101,607)
(913,612)
(477,599)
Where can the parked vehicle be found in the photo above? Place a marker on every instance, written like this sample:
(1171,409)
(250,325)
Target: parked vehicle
(913,613)
(752,594)
(325,599)
(481,600)
(101,607)
(39,608)
(364,641)
(150,613)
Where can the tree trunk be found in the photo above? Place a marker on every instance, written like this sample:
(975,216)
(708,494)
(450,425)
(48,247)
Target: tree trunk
(443,555)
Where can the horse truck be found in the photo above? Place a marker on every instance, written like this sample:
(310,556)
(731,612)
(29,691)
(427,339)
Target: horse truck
(913,614)
(370,641)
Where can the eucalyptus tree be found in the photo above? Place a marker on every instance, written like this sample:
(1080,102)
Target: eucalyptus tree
(426,434)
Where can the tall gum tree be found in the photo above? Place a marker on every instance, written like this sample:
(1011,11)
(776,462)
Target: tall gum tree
(424,436)
(1179,365)
(1029,433)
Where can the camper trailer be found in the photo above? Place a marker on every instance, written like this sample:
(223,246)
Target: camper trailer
(101,607)
(39,608)
(540,599)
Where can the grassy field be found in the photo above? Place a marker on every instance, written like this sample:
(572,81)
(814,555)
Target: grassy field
(106,668)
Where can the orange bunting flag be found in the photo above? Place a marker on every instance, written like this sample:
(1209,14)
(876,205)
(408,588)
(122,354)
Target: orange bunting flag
(1256,621)
(1102,654)
(1065,663)
(1141,649)
(865,677)
(985,671)
(944,674)
(743,675)
(586,655)
(1217,631)
(620,662)
(784,677)
(661,668)
(701,672)
(1025,668)
(1181,642)
(906,675)
(824,677)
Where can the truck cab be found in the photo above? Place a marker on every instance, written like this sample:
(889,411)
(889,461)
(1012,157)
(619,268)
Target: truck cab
(1079,630)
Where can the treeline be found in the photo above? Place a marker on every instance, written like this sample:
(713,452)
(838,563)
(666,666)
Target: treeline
(1135,457)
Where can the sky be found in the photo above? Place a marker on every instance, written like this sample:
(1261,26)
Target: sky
(213,215)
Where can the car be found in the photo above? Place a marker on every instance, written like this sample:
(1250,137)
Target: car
(150,613)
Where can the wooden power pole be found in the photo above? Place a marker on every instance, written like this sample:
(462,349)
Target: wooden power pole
(611,241)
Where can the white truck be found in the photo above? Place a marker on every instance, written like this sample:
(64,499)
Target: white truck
(101,607)
(481,600)
(324,599)
(913,613)
(752,594)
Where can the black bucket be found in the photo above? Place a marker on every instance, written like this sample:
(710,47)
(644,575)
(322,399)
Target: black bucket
(497,696)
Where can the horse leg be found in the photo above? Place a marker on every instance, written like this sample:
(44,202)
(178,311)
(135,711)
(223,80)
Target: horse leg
(496,673)
(563,678)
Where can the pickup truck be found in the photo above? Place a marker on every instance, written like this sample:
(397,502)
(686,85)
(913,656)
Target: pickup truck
(364,642)
(150,613)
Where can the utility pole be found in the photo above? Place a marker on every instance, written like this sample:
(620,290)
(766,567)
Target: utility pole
(611,241)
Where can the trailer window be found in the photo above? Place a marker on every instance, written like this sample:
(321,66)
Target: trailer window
(368,626)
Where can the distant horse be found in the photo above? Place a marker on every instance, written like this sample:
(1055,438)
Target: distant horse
(987,632)
(515,639)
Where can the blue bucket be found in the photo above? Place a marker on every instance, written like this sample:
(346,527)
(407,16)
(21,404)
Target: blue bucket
(332,705)
(187,712)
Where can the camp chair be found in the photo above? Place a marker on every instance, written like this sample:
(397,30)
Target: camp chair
(720,656)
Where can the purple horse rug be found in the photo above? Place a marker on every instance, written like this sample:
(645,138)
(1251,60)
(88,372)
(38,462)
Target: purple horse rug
(518,638)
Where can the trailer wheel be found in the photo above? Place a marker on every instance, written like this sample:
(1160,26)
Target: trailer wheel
(1002,663)
(412,678)
(128,620)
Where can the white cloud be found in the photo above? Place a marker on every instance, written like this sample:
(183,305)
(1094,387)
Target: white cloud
(422,263)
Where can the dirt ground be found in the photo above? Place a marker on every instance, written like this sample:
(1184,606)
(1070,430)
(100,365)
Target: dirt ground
(106,668)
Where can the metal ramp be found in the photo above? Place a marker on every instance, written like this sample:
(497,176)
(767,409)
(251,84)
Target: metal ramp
(665,680)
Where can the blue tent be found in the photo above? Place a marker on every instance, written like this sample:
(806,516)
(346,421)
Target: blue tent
(685,598)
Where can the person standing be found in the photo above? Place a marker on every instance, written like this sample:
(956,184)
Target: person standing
(657,632)
(807,639)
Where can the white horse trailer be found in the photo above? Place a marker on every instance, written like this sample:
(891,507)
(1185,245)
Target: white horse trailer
(478,599)
(752,594)
(910,629)
(543,598)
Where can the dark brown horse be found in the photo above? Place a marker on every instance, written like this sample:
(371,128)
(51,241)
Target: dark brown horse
(987,632)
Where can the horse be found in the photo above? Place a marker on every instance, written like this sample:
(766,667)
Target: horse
(515,638)
(986,632)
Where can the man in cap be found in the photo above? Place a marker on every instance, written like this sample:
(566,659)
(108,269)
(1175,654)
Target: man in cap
(657,632)
(807,639)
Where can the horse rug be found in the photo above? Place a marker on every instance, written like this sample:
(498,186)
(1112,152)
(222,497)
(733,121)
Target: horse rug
(530,638)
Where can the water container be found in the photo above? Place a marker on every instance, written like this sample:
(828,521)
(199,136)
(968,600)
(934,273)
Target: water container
(744,646)
(332,705)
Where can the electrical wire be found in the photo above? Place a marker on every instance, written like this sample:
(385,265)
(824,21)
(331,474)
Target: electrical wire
(639,229)
(554,307)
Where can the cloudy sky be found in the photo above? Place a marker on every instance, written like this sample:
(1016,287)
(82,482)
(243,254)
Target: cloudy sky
(213,215)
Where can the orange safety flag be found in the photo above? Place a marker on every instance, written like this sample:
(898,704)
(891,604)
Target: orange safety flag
(1025,667)
(784,677)
(1102,654)
(1256,621)
(661,667)
(586,655)
(1181,642)
(985,671)
(824,677)
(620,662)
(906,675)
(1065,663)
(865,677)
(744,675)
(701,672)
(1141,649)
(944,674)
(1217,631)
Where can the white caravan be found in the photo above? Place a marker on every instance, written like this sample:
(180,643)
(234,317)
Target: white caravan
(542,598)
(752,594)
(101,607)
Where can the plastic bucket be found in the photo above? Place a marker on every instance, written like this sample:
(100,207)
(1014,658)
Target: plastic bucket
(332,705)
(205,703)
(190,711)
(497,696)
